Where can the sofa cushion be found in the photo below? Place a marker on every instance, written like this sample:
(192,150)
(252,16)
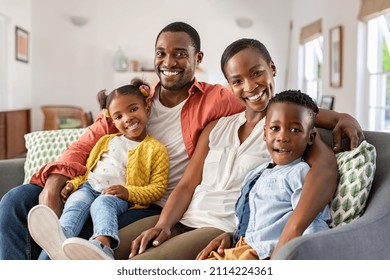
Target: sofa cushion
(46,146)
(357,169)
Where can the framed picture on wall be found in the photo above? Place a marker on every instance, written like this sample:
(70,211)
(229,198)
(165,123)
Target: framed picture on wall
(327,102)
(336,56)
(21,44)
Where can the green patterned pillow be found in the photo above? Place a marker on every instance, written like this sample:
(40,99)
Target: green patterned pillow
(46,146)
(357,169)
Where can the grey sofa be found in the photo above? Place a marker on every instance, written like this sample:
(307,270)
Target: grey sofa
(11,174)
(366,238)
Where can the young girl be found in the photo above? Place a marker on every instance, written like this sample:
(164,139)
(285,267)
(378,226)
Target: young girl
(124,170)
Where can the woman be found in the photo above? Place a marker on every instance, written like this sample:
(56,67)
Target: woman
(201,207)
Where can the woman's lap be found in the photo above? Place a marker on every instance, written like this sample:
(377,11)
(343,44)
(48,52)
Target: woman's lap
(181,246)
(130,232)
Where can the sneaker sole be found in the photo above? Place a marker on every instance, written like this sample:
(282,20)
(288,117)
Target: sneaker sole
(81,249)
(46,230)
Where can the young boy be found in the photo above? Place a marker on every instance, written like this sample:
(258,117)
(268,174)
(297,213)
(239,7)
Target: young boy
(271,191)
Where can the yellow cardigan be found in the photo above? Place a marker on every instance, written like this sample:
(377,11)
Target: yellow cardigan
(147,170)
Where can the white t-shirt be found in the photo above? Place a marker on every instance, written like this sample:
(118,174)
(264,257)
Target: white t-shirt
(110,170)
(225,168)
(165,125)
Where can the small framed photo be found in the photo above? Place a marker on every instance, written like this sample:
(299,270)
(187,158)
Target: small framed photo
(21,45)
(327,102)
(336,56)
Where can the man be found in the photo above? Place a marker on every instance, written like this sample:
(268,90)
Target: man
(181,108)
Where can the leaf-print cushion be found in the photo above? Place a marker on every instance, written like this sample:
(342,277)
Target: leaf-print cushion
(357,169)
(46,146)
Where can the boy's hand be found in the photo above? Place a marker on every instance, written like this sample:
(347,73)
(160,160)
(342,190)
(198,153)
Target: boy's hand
(218,244)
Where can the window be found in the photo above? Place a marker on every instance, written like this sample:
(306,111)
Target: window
(312,68)
(311,59)
(378,66)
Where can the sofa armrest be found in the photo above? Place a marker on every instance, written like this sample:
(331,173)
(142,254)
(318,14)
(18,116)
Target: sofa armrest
(11,174)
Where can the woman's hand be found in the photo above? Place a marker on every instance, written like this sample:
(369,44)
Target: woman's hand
(347,126)
(159,234)
(118,191)
(221,242)
(342,126)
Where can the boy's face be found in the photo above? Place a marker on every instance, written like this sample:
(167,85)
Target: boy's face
(130,116)
(287,132)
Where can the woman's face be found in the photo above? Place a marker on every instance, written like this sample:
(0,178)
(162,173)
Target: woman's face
(251,78)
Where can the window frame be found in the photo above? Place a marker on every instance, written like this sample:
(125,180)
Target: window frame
(378,78)
(311,57)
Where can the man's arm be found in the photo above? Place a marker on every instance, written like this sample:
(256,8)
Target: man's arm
(53,176)
(72,162)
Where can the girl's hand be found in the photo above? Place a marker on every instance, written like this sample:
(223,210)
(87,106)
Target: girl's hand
(221,242)
(118,191)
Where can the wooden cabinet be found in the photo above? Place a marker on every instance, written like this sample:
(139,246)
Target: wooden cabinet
(13,126)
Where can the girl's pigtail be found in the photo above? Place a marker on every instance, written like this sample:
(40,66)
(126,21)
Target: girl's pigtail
(102,98)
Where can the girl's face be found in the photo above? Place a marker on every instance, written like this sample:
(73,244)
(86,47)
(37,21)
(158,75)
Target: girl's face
(251,78)
(130,116)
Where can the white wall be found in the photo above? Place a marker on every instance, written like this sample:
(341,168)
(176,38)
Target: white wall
(332,13)
(70,64)
(19,90)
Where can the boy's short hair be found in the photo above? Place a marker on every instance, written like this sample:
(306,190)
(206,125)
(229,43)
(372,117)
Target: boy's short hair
(296,97)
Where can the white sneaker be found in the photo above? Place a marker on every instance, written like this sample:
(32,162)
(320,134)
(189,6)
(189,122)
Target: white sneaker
(46,230)
(81,249)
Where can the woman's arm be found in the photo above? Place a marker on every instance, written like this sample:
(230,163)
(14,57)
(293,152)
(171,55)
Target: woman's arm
(343,125)
(179,199)
(318,189)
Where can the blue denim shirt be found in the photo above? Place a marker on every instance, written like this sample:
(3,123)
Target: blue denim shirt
(267,200)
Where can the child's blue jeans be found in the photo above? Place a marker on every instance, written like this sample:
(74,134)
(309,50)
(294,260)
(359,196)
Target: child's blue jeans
(104,210)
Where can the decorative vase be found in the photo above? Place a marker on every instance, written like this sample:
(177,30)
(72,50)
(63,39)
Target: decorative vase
(120,61)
